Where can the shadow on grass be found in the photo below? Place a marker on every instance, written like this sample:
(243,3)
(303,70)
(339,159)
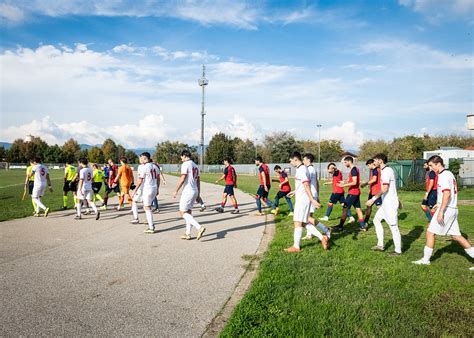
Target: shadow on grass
(453,247)
(411,237)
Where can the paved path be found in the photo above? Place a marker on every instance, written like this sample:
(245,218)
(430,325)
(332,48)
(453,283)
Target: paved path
(65,277)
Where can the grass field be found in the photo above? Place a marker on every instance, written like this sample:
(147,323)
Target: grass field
(352,291)
(11,192)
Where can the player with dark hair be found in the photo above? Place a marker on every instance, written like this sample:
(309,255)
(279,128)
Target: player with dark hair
(264,188)
(428,205)
(230,177)
(285,189)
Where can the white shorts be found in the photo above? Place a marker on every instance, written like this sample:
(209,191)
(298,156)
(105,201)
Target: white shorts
(84,195)
(451,225)
(390,215)
(188,198)
(137,197)
(38,191)
(148,196)
(301,212)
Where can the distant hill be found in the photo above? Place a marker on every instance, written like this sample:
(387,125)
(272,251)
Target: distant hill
(5,145)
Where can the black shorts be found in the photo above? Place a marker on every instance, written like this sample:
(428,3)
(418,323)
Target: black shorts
(30,186)
(337,198)
(108,189)
(431,200)
(378,201)
(261,193)
(70,186)
(96,186)
(352,201)
(281,194)
(229,189)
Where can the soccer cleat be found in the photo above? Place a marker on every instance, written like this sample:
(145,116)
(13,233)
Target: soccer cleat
(202,208)
(292,249)
(134,221)
(150,231)
(97,216)
(351,220)
(336,229)
(325,242)
(219,209)
(46,212)
(104,207)
(87,212)
(259,214)
(64,207)
(200,233)
(235,211)
(77,218)
(329,233)
(185,237)
(421,262)
(274,211)
(156,211)
(363,229)
(394,254)
(36,214)
(378,248)
(290,214)
(307,237)
(325,218)
(471,268)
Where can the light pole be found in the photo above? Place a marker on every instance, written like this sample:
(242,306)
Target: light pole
(203,83)
(319,148)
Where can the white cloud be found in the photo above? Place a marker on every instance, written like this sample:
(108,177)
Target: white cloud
(347,132)
(369,68)
(439,10)
(9,13)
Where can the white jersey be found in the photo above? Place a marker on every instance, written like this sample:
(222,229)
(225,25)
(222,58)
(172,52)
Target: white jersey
(190,169)
(148,172)
(86,175)
(446,182)
(313,178)
(40,171)
(390,198)
(301,177)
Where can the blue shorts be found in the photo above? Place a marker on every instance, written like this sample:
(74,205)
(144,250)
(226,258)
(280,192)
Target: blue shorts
(337,198)
(352,201)
(261,193)
(378,201)
(431,200)
(229,189)
(281,194)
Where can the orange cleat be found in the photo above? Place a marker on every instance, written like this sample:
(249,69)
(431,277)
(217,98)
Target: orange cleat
(325,242)
(292,249)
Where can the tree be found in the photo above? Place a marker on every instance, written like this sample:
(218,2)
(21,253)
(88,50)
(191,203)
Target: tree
(244,151)
(131,156)
(406,148)
(54,154)
(3,153)
(15,154)
(121,151)
(71,150)
(169,152)
(220,147)
(95,155)
(331,150)
(370,148)
(278,147)
(110,150)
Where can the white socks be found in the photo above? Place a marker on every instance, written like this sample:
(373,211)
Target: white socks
(79,207)
(397,238)
(379,231)
(297,237)
(39,204)
(427,252)
(92,205)
(190,219)
(313,231)
(322,227)
(149,218)
(135,210)
(470,252)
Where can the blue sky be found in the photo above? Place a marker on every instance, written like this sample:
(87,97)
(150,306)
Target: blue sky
(128,69)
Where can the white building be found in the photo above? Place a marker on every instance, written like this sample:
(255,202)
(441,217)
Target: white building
(448,153)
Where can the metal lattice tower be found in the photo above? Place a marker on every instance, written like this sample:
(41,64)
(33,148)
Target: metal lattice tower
(203,82)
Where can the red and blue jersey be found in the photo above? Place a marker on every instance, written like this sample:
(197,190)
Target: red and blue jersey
(431,175)
(336,178)
(286,187)
(264,169)
(230,175)
(353,176)
(375,187)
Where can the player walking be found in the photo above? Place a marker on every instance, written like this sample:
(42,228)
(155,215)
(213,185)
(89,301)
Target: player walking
(125,178)
(388,211)
(264,188)
(230,177)
(445,219)
(337,194)
(285,189)
(374,184)
(190,180)
(111,185)
(70,185)
(428,205)
(41,174)
(84,189)
(29,183)
(97,179)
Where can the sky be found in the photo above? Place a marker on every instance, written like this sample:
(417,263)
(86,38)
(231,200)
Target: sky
(129,69)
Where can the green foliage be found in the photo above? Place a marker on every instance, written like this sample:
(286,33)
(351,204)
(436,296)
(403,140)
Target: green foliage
(244,151)
(277,147)
(95,155)
(21,151)
(169,152)
(370,148)
(220,147)
(3,153)
(131,156)
(54,154)
(71,150)
(331,150)
(455,166)
(110,150)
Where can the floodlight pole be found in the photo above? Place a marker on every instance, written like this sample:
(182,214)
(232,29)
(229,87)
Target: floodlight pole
(319,148)
(203,83)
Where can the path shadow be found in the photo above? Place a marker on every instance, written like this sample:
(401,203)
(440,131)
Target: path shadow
(453,247)
(412,236)
(221,234)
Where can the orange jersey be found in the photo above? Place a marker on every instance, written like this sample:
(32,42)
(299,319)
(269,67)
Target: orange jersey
(125,175)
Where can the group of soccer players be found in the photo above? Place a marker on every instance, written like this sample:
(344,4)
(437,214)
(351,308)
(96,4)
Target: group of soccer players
(439,203)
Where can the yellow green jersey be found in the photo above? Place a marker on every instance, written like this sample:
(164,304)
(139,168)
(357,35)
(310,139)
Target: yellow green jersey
(70,171)
(98,176)
(29,169)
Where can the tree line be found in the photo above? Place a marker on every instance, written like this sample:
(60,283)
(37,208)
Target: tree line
(22,151)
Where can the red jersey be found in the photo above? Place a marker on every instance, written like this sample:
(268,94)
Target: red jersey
(375,187)
(336,178)
(230,175)
(431,175)
(113,171)
(264,169)
(285,187)
(354,175)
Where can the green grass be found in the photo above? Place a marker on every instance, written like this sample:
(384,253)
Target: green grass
(11,192)
(351,290)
